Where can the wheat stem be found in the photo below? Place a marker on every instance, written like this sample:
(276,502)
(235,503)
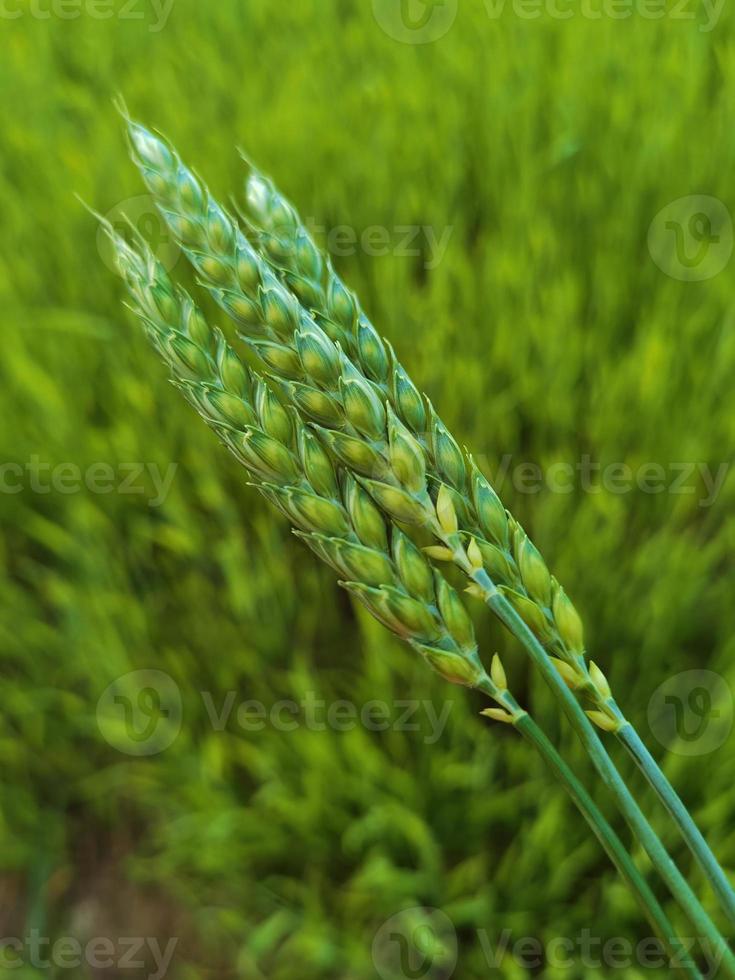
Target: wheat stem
(638,823)
(612,844)
(691,833)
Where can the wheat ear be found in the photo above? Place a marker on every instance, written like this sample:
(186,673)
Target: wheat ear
(342,526)
(372,440)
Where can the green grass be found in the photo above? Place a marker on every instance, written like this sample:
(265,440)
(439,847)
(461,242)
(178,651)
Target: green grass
(546,332)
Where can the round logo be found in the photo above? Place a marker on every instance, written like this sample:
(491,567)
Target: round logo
(691,239)
(142,213)
(692,713)
(415,21)
(140,712)
(415,944)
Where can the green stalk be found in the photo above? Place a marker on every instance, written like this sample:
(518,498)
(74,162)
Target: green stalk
(613,846)
(631,740)
(681,816)
(634,816)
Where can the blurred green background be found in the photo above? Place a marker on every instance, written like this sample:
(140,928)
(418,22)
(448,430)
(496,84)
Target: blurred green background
(548,326)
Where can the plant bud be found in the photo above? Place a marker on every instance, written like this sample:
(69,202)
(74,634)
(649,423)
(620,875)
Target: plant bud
(600,681)
(320,514)
(341,303)
(449,459)
(274,419)
(414,570)
(371,350)
(375,602)
(568,623)
(283,360)
(317,464)
(407,458)
(408,401)
(366,565)
(332,330)
(220,232)
(308,293)
(241,308)
(474,555)
(534,573)
(280,311)
(445,511)
(164,303)
(210,268)
(317,405)
(497,565)
(498,714)
(530,613)
(157,184)
(149,148)
(282,217)
(258,190)
(308,260)
(396,503)
(319,356)
(195,326)
(229,408)
(232,371)
(275,457)
(415,617)
(190,190)
(603,721)
(363,407)
(490,510)
(355,454)
(247,268)
(366,518)
(439,552)
(189,358)
(497,673)
(454,614)
(571,677)
(184,228)
(451,666)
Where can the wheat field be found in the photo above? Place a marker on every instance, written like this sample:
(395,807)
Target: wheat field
(496,197)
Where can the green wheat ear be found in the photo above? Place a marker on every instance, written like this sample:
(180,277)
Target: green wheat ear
(317,344)
(286,461)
